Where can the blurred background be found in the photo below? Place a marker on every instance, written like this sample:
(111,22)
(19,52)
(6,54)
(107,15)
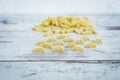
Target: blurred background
(59,6)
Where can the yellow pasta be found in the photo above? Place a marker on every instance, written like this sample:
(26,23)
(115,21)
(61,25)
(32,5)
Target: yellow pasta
(58,49)
(40,42)
(91,45)
(39,49)
(97,40)
(70,45)
(68,40)
(51,39)
(49,33)
(58,43)
(86,32)
(80,41)
(78,48)
(47,45)
(86,38)
(65,25)
(62,36)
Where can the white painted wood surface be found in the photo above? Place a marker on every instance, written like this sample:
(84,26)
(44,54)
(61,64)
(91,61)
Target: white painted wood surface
(58,71)
(17,42)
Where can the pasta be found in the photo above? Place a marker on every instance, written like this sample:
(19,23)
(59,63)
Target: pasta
(58,43)
(40,42)
(97,40)
(65,25)
(70,45)
(78,48)
(58,49)
(47,45)
(86,38)
(39,49)
(90,45)
(62,36)
(80,41)
(51,39)
(68,40)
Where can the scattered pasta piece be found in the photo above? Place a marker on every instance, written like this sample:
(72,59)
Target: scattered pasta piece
(70,45)
(62,36)
(58,43)
(51,39)
(68,40)
(78,48)
(58,49)
(40,42)
(97,40)
(48,33)
(86,38)
(90,45)
(80,41)
(39,49)
(47,45)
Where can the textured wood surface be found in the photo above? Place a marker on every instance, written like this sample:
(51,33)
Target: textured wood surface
(17,42)
(17,62)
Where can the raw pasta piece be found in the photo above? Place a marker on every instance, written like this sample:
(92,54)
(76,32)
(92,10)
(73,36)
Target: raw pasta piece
(77,48)
(68,40)
(61,36)
(86,38)
(40,42)
(58,43)
(47,45)
(97,40)
(58,49)
(91,45)
(70,45)
(51,39)
(39,49)
(80,41)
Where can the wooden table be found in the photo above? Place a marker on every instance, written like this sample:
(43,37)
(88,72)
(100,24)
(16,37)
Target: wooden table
(18,62)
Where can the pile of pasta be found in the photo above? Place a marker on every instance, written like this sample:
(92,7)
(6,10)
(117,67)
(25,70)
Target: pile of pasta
(63,25)
(62,42)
